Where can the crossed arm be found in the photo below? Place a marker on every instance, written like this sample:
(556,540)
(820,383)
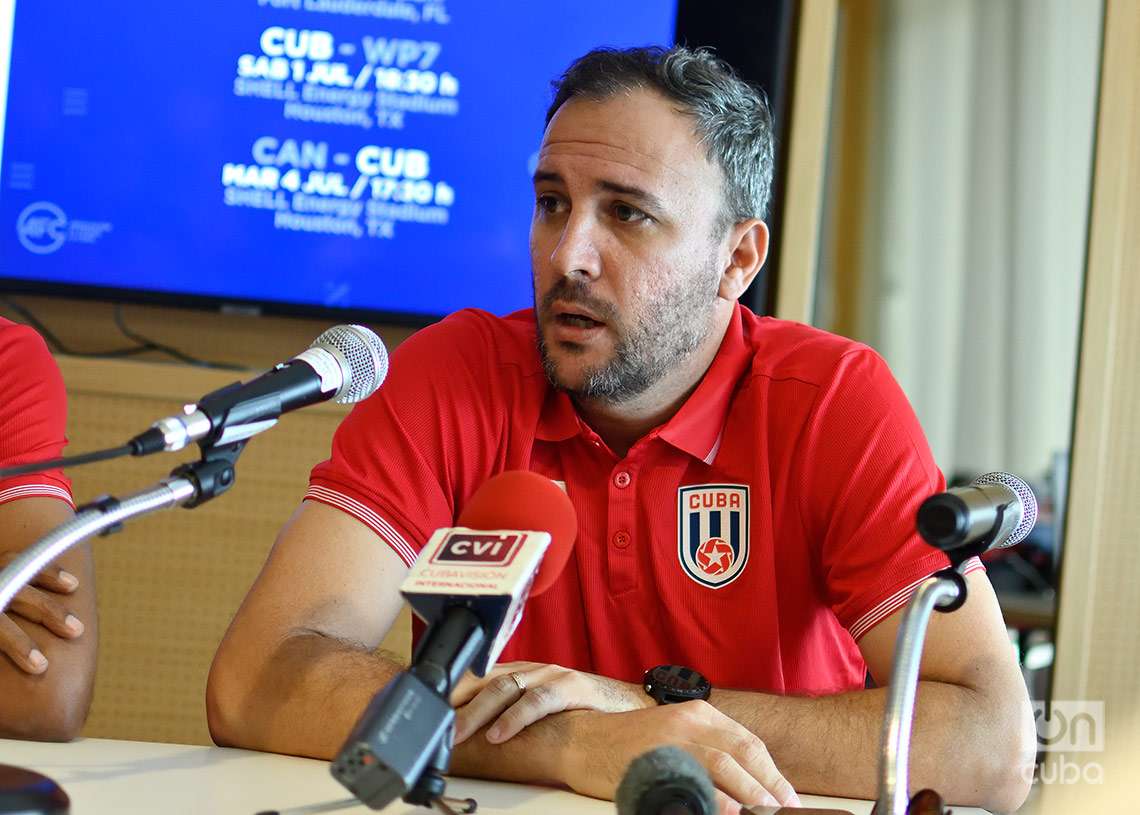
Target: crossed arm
(48,636)
(298,665)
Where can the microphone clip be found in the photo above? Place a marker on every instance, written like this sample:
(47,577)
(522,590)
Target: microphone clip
(982,545)
(212,474)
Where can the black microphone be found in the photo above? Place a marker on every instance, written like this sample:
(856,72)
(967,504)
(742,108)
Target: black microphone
(347,363)
(665,781)
(995,511)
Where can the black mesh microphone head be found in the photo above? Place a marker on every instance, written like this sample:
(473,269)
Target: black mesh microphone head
(665,781)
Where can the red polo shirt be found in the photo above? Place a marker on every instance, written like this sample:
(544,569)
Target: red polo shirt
(755,536)
(33,414)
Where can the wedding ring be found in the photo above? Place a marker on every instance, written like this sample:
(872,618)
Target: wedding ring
(517,677)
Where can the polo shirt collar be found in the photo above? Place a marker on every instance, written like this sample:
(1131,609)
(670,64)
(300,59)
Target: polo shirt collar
(695,428)
(558,420)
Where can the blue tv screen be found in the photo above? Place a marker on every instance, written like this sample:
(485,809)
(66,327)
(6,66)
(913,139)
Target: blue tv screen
(370,156)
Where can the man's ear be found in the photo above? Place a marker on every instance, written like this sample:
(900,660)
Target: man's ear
(748,241)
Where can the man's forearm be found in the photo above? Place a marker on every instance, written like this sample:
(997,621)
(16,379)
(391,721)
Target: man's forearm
(830,744)
(304,700)
(531,757)
(315,689)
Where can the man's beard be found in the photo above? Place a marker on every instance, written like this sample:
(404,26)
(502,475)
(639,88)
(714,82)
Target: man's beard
(671,326)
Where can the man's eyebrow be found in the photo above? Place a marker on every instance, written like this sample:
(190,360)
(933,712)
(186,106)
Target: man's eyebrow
(637,193)
(545,175)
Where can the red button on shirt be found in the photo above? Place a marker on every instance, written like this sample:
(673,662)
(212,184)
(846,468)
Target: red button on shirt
(774,512)
(621,539)
(621,480)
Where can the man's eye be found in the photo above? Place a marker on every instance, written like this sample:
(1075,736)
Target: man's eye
(628,214)
(547,203)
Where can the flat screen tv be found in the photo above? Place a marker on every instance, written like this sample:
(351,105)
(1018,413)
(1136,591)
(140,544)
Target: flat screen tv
(368,157)
(333,157)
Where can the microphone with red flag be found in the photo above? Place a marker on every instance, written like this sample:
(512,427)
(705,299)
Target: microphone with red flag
(469,585)
(513,540)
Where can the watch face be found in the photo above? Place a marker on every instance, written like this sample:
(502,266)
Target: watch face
(676,683)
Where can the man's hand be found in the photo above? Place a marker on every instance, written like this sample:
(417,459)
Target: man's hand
(600,746)
(38,603)
(515,695)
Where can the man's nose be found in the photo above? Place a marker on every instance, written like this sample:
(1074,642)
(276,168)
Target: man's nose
(576,252)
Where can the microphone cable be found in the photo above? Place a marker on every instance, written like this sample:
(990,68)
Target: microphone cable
(130,449)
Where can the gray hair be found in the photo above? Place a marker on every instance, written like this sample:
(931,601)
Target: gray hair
(732,118)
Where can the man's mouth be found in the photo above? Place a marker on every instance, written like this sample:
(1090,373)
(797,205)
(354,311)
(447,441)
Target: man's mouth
(575,316)
(575,320)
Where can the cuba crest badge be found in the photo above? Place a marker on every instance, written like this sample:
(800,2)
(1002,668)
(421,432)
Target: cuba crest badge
(712,532)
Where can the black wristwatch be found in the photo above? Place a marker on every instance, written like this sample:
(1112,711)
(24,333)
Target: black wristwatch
(675,683)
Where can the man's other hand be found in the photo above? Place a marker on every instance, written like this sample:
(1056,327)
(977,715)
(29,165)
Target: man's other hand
(39,603)
(515,695)
(600,746)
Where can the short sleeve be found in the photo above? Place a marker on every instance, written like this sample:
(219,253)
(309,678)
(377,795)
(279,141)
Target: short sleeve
(407,456)
(865,469)
(33,415)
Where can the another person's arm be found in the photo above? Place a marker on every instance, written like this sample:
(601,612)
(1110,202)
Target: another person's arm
(48,637)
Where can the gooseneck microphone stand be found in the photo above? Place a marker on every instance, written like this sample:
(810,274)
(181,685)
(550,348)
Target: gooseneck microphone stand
(346,363)
(944,591)
(189,485)
(997,510)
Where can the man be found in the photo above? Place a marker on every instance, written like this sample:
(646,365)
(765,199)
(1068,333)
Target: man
(745,490)
(47,636)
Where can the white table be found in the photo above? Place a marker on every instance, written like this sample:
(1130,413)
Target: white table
(103,776)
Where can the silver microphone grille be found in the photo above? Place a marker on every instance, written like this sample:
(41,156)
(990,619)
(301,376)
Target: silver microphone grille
(364,356)
(1028,504)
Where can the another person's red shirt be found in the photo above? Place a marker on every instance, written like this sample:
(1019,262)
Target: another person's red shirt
(755,536)
(33,414)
